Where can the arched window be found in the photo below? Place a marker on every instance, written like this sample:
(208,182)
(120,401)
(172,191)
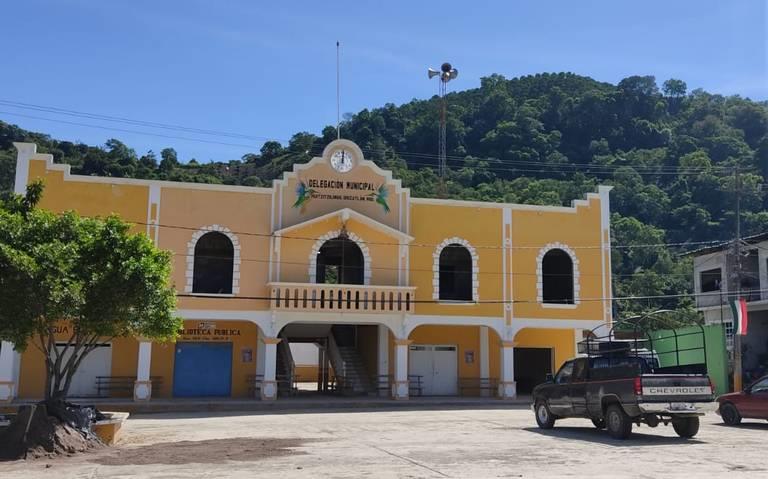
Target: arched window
(340,261)
(214,264)
(557,277)
(455,273)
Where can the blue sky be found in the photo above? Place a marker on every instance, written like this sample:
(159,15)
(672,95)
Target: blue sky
(267,69)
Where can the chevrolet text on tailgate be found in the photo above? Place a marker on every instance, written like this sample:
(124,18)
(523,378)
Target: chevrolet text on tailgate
(620,382)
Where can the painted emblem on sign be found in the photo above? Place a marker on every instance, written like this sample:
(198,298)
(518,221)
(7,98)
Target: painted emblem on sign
(303,196)
(380,196)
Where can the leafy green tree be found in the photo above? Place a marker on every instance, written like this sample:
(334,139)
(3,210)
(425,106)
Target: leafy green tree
(169,160)
(674,88)
(270,150)
(90,273)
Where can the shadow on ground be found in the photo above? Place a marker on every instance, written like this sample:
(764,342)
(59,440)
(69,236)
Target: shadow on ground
(746,425)
(341,408)
(211,451)
(599,436)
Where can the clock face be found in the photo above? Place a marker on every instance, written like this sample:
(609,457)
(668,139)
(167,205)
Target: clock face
(341,161)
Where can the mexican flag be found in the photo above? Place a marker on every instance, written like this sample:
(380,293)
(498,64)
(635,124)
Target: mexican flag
(739,310)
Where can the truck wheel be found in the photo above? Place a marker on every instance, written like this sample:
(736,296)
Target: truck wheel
(730,414)
(617,422)
(599,423)
(544,417)
(686,427)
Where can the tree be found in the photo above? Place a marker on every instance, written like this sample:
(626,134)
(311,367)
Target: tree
(674,88)
(169,160)
(271,149)
(91,274)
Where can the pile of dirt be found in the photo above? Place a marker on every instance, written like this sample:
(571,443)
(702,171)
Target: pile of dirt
(36,433)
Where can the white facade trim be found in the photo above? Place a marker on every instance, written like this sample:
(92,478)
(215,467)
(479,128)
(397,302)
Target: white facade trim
(332,235)
(27,151)
(190,273)
(540,272)
(436,266)
(575,204)
(345,214)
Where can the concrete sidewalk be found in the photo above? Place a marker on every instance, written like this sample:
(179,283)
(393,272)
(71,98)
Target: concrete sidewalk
(293,404)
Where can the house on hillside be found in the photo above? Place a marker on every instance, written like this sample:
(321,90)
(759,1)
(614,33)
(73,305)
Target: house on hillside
(716,285)
(402,295)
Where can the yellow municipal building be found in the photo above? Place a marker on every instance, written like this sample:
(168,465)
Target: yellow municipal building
(399,296)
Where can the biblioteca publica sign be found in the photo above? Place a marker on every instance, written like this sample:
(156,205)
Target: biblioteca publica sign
(206,331)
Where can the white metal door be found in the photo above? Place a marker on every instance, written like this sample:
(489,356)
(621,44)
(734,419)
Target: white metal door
(438,367)
(97,363)
(420,364)
(445,366)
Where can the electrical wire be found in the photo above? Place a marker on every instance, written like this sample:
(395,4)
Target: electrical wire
(434,245)
(487,301)
(385,268)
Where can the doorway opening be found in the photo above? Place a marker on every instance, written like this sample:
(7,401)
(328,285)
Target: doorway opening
(340,261)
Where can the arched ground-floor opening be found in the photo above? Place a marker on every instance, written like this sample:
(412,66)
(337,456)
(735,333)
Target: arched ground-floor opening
(333,359)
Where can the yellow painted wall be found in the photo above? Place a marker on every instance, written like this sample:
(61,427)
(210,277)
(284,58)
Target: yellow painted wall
(562,341)
(482,227)
(296,247)
(247,215)
(580,231)
(90,198)
(125,360)
(32,371)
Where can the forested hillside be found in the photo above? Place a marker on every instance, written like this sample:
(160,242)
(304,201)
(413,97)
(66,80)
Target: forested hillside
(544,139)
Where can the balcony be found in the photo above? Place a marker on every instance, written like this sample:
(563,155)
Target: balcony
(344,298)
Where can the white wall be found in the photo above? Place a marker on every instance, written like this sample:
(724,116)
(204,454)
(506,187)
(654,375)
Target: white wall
(304,354)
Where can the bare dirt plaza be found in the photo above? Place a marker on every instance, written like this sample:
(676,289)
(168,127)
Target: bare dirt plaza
(488,442)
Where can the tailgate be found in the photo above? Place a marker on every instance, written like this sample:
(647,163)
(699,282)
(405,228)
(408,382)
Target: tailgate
(673,387)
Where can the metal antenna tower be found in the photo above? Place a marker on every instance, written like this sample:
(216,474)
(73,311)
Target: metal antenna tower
(446,74)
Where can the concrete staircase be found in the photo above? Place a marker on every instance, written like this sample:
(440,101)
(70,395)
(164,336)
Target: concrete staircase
(284,369)
(347,363)
(356,380)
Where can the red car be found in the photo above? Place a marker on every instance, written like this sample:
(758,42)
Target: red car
(751,403)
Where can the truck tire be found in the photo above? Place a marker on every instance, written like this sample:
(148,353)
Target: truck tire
(730,414)
(617,422)
(544,417)
(686,427)
(599,423)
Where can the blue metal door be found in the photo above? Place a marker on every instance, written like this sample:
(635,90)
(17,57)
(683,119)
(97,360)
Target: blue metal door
(202,370)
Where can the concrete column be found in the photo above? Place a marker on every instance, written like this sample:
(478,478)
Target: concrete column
(484,359)
(383,362)
(9,362)
(268,388)
(400,384)
(142,388)
(507,386)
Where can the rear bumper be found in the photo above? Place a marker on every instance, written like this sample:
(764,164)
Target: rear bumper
(677,407)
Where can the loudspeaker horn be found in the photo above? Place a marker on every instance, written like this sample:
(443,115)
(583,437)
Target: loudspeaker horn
(432,72)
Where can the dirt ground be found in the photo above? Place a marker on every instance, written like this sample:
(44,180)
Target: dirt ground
(405,443)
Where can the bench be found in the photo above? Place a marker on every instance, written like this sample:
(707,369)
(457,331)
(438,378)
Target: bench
(106,385)
(382,383)
(478,386)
